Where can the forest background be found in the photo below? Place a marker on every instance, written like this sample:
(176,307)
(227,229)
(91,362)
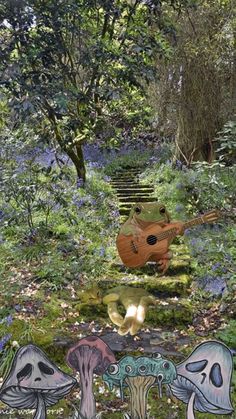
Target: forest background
(92,88)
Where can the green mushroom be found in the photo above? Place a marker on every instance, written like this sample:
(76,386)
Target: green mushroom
(139,374)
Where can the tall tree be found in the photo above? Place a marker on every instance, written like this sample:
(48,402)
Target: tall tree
(66,62)
(196,88)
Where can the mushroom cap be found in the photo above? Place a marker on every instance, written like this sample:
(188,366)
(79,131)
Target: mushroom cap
(32,372)
(131,366)
(207,372)
(98,348)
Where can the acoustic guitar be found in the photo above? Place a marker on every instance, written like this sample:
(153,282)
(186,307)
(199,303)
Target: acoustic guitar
(136,251)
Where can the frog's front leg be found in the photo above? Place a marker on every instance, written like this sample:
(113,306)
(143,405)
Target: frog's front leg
(132,229)
(179,226)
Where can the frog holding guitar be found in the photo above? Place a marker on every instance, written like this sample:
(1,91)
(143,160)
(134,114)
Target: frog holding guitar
(148,233)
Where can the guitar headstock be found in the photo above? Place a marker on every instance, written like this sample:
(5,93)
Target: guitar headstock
(211,216)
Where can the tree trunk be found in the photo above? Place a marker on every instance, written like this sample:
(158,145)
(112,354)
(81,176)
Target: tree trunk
(199,111)
(78,160)
(139,388)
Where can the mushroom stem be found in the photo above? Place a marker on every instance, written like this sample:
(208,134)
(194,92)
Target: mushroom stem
(89,359)
(87,404)
(190,410)
(139,388)
(41,408)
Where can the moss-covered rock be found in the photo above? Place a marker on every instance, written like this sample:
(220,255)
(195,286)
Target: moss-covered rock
(170,312)
(167,285)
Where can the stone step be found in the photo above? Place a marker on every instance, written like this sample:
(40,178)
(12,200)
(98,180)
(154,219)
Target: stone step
(124,183)
(134,170)
(132,186)
(125,180)
(166,312)
(169,285)
(134,196)
(135,190)
(140,199)
(129,203)
(124,176)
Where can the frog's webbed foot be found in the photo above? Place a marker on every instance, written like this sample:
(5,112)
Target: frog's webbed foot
(126,325)
(163,265)
(163,262)
(129,319)
(135,327)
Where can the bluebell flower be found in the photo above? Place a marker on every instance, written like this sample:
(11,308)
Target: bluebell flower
(4,341)
(9,320)
(107,178)
(215,266)
(101,251)
(179,208)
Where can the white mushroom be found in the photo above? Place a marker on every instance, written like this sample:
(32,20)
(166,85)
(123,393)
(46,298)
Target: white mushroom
(203,379)
(34,382)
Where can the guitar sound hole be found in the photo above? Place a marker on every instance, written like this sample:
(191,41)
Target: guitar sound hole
(151,240)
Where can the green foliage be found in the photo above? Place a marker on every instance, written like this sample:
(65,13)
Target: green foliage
(81,68)
(133,159)
(227,143)
(228,334)
(190,191)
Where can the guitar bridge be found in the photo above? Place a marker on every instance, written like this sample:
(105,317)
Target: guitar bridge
(133,247)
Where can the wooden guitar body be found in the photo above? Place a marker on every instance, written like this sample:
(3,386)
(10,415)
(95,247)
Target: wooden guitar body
(153,242)
(136,251)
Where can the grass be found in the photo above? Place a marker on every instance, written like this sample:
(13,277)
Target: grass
(44,268)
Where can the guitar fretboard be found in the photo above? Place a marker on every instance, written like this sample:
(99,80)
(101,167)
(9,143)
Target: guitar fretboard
(211,216)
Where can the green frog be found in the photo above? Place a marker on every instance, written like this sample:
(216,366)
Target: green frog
(135,301)
(143,215)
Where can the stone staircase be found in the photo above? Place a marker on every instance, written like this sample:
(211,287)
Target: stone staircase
(129,190)
(171,290)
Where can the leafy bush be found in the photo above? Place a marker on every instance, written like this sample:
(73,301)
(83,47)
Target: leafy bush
(227,143)
(133,159)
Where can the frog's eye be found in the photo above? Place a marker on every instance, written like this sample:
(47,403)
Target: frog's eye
(128,368)
(166,365)
(113,369)
(142,369)
(162,210)
(137,210)
(156,355)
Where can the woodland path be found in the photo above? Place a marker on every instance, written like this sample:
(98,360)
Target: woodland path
(165,323)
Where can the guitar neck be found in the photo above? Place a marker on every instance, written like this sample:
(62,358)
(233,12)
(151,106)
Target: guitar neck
(172,231)
(195,221)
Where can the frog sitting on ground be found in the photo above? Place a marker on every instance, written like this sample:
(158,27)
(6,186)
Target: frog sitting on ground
(143,215)
(135,301)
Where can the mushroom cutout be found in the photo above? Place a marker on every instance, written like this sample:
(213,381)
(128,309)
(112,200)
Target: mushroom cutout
(34,382)
(203,380)
(139,374)
(91,355)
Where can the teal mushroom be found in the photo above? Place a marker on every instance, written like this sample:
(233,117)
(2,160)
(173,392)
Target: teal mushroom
(139,374)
